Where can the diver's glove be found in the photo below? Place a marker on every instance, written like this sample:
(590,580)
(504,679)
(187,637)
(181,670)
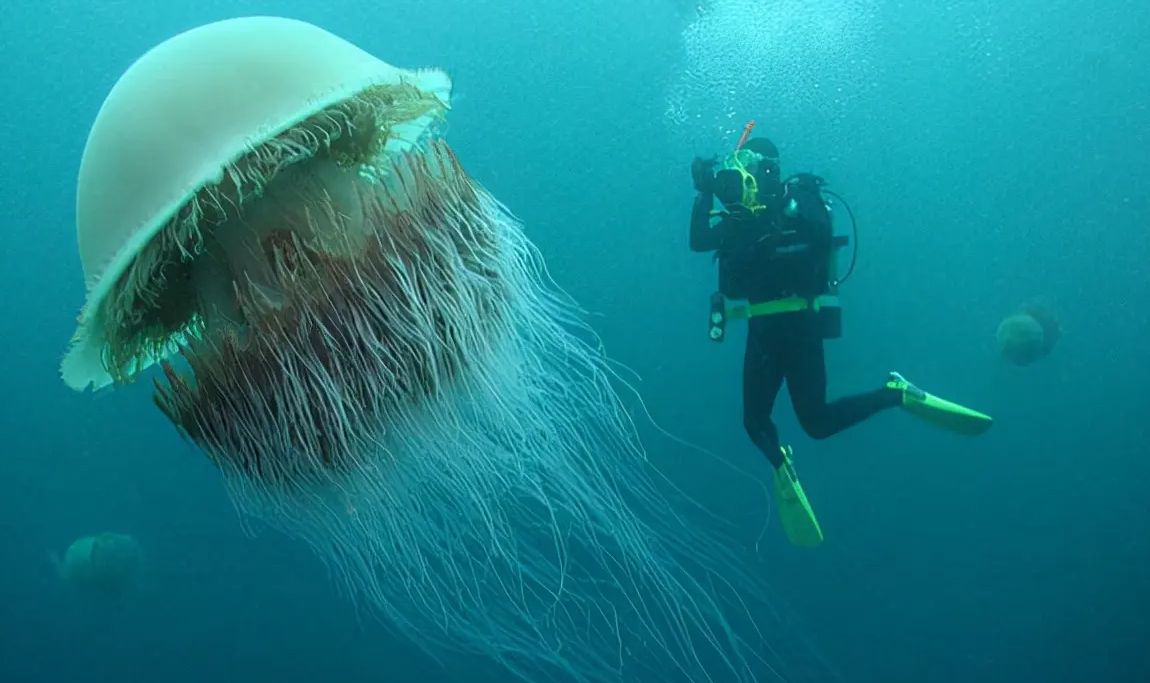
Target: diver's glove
(702,174)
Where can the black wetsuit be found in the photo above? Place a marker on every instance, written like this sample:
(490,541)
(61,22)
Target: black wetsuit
(773,256)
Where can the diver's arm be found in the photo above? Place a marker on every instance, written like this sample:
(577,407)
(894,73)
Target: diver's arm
(703,236)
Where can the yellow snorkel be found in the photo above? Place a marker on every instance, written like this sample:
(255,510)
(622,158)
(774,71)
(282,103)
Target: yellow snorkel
(737,187)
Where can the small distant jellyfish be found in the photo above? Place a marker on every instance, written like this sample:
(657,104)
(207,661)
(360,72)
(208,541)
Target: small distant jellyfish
(107,565)
(1028,335)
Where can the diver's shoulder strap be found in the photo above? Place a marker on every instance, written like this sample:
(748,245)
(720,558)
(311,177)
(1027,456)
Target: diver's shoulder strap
(806,179)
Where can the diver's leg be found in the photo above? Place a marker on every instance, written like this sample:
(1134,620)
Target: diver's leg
(762,379)
(795,511)
(806,373)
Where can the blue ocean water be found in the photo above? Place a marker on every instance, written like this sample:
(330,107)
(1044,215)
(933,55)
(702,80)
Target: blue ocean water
(993,155)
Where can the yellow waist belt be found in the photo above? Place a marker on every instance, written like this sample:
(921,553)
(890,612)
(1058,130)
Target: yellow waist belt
(790,304)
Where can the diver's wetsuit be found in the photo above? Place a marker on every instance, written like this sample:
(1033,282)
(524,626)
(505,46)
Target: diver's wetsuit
(782,346)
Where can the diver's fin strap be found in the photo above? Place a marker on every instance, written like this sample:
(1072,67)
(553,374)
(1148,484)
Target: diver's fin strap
(790,304)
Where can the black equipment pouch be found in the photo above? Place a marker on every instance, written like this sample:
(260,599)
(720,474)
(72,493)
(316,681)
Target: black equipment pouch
(718,318)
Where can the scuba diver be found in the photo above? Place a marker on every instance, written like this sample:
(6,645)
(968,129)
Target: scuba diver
(777,252)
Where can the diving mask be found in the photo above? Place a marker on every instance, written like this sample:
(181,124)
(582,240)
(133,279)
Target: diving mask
(736,184)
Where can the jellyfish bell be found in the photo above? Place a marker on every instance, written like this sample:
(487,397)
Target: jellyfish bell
(105,566)
(1045,317)
(170,152)
(365,344)
(1028,335)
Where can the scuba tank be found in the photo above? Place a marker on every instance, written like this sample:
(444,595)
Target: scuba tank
(818,184)
(826,305)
